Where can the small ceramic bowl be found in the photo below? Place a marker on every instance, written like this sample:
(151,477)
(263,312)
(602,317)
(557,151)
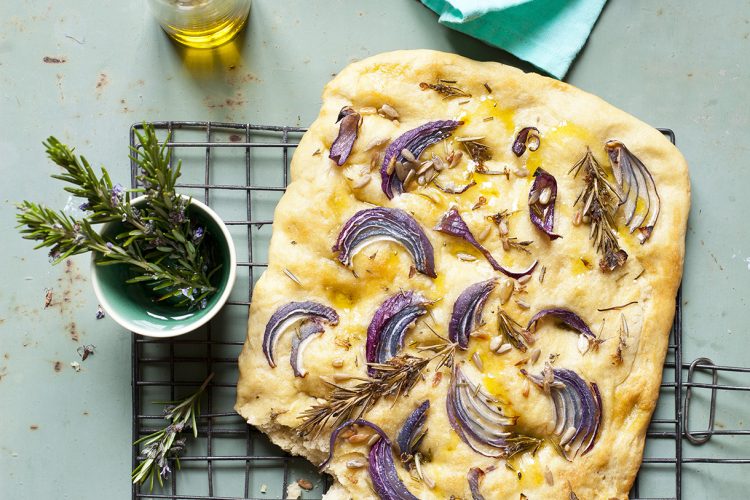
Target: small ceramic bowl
(132,305)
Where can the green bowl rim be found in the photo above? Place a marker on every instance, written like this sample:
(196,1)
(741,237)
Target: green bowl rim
(202,320)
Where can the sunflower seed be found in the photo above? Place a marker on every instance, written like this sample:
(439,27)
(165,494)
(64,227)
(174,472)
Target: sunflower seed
(439,163)
(373,439)
(358,438)
(478,362)
(545,196)
(408,155)
(368,110)
(361,182)
(577,218)
(524,279)
(389,111)
(341,377)
(526,388)
(522,304)
(403,169)
(503,227)
(506,244)
(535,355)
(533,197)
(466,257)
(456,158)
(504,348)
(485,232)
(521,172)
(470,139)
(479,335)
(425,166)
(337,363)
(495,343)
(506,290)
(346,434)
(409,177)
(357,463)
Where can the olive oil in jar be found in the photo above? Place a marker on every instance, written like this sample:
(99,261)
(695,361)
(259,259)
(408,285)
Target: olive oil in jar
(201,24)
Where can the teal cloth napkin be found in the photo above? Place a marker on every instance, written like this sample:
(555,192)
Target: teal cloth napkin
(547,33)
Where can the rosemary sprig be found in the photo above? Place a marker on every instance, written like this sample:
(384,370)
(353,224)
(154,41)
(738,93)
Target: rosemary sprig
(164,445)
(160,244)
(446,88)
(478,151)
(394,378)
(599,201)
(513,332)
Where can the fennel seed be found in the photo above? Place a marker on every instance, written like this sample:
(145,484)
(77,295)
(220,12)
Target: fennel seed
(542,273)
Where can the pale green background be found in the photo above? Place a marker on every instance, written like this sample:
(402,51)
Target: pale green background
(679,64)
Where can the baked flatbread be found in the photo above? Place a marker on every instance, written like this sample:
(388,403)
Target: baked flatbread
(627,305)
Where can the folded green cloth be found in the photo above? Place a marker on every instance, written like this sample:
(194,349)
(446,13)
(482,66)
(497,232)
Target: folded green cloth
(547,33)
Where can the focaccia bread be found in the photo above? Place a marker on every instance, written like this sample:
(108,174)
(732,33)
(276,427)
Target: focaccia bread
(401,287)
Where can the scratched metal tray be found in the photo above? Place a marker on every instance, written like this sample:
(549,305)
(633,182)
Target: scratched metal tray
(241,171)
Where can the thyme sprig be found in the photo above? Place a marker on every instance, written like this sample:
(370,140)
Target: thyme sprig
(599,201)
(160,244)
(164,445)
(392,379)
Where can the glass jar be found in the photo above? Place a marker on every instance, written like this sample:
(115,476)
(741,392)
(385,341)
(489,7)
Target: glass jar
(201,24)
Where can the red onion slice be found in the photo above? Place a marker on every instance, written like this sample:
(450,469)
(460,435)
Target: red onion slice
(344,425)
(342,145)
(467,312)
(479,422)
(385,335)
(415,141)
(634,182)
(527,137)
(566,316)
(474,476)
(541,204)
(412,431)
(385,224)
(307,332)
(288,314)
(452,223)
(578,406)
(385,480)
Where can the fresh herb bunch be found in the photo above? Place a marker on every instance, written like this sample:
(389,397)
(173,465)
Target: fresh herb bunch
(164,445)
(162,245)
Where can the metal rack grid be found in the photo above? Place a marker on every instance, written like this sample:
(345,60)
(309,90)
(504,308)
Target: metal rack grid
(231,460)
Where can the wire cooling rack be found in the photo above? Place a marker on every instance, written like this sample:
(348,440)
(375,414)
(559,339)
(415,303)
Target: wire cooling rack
(241,171)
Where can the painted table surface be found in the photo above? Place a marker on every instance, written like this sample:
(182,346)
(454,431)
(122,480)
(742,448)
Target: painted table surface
(66,434)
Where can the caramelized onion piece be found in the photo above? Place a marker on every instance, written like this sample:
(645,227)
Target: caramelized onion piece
(452,223)
(385,335)
(634,183)
(386,224)
(415,141)
(288,314)
(542,198)
(527,137)
(348,127)
(467,312)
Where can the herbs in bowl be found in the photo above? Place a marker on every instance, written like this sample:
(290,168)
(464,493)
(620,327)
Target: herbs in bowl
(163,264)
